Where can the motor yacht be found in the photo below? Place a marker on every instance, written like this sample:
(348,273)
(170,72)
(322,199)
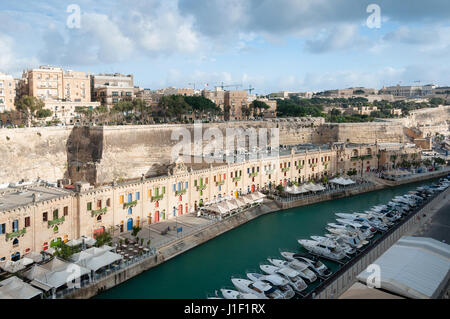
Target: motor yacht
(317,266)
(317,248)
(302,268)
(349,250)
(259,288)
(291,275)
(233,294)
(275,281)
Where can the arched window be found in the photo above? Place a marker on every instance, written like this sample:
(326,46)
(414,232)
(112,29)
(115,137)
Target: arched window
(99,218)
(15,242)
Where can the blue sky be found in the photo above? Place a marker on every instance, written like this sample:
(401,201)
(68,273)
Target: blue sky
(294,45)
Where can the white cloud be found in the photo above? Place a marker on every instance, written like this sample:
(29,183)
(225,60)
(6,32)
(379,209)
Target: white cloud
(10,61)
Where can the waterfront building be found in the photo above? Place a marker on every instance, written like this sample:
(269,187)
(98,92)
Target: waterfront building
(7,92)
(35,216)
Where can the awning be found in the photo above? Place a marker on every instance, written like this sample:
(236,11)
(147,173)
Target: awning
(15,288)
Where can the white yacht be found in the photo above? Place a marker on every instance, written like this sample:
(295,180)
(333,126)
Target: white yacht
(322,250)
(261,289)
(335,243)
(302,268)
(293,276)
(366,231)
(315,265)
(282,284)
(364,219)
(233,294)
(344,231)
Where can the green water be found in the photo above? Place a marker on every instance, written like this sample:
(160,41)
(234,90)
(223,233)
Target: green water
(210,266)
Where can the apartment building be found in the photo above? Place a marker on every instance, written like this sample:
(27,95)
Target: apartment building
(109,89)
(55,83)
(7,92)
(235,100)
(217,96)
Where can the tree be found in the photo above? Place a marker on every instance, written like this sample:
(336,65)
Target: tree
(258,105)
(29,105)
(246,111)
(43,113)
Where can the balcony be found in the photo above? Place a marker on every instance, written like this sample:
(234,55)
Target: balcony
(201,187)
(253,174)
(157,197)
(16,234)
(300,166)
(236,179)
(270,171)
(180,192)
(56,221)
(285,169)
(220,183)
(354,158)
(130,204)
(98,211)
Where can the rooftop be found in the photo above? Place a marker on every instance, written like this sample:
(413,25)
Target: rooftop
(23,195)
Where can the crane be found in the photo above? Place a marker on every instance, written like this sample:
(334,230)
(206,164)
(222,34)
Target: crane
(231,85)
(250,89)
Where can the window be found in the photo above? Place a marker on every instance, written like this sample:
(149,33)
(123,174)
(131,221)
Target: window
(130,198)
(44,216)
(55,214)
(108,202)
(15,225)
(186,185)
(149,193)
(66,210)
(163,189)
(2,229)
(89,206)
(27,221)
(99,203)
(121,199)
(174,187)
(138,195)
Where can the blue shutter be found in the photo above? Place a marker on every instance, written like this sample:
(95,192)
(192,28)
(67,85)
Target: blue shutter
(186,185)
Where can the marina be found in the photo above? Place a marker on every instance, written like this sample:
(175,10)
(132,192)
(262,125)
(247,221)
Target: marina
(208,268)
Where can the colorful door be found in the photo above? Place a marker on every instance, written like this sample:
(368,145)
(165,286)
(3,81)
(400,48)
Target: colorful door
(130,224)
(253,188)
(156,216)
(180,209)
(235,194)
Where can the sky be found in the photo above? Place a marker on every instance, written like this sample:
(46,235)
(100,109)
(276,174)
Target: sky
(292,45)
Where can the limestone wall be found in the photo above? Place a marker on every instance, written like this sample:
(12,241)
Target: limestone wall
(31,152)
(115,152)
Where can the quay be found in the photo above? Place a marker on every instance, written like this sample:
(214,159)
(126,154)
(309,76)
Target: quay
(329,289)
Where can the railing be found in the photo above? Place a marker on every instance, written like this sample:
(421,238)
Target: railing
(270,171)
(130,204)
(157,197)
(16,234)
(220,183)
(56,221)
(180,192)
(201,187)
(285,169)
(98,211)
(253,174)
(354,158)
(236,179)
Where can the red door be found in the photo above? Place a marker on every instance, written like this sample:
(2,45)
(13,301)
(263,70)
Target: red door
(180,209)
(253,188)
(156,216)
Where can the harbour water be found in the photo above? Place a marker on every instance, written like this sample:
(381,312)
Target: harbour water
(209,267)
